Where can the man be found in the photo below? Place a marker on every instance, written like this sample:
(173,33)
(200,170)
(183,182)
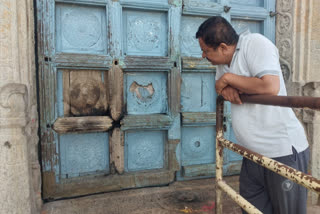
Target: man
(249,64)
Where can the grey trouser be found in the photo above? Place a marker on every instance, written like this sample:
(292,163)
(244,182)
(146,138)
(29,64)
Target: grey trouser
(272,193)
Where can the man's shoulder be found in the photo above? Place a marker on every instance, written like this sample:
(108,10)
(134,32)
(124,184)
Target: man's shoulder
(256,42)
(256,39)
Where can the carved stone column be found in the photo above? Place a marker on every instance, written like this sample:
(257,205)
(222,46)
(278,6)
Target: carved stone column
(19,168)
(284,41)
(298,41)
(307,48)
(312,119)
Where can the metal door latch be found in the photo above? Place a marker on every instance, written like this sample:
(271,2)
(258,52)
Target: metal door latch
(226,9)
(273,13)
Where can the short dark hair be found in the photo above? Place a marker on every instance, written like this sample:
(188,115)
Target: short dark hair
(217,30)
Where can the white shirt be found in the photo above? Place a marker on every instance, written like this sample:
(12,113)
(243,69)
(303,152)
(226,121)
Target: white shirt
(268,130)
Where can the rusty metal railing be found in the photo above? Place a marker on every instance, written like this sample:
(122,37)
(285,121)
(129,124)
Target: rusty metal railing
(294,175)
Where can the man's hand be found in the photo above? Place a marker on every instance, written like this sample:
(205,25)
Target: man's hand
(231,94)
(221,84)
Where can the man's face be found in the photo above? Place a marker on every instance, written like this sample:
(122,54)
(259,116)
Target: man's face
(215,56)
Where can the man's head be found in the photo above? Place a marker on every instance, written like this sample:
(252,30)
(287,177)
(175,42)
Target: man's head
(217,40)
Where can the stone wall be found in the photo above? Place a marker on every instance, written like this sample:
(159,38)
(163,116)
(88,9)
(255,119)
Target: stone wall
(298,41)
(20,190)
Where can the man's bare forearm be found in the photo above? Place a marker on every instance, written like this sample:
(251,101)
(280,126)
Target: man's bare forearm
(268,84)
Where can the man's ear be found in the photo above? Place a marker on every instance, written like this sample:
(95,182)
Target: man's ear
(224,47)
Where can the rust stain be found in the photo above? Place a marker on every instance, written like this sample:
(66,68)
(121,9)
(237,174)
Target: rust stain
(176,141)
(284,101)
(281,169)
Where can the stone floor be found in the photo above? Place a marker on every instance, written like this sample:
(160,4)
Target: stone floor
(195,196)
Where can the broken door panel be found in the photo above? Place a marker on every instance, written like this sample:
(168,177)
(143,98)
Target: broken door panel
(146,93)
(145,150)
(81,28)
(83,154)
(145,33)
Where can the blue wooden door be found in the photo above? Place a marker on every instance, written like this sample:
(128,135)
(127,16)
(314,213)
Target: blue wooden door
(125,99)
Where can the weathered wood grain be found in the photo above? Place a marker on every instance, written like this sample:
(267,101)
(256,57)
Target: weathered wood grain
(66,93)
(82,124)
(205,8)
(117,151)
(173,163)
(192,64)
(175,91)
(103,183)
(152,179)
(116,91)
(200,118)
(83,60)
(154,121)
(199,170)
(139,63)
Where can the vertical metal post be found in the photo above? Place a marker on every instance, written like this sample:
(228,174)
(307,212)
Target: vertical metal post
(219,152)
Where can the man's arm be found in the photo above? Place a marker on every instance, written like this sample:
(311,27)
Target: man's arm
(268,84)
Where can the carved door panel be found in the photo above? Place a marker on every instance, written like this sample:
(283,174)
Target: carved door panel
(111,74)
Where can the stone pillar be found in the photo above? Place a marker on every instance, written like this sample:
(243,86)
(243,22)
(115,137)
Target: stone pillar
(19,168)
(312,119)
(306,70)
(284,41)
(298,41)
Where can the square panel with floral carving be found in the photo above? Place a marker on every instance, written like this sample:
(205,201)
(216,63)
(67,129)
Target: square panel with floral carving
(81,29)
(145,33)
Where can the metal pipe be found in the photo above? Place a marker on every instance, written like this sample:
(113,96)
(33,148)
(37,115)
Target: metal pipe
(292,174)
(219,152)
(284,101)
(243,203)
